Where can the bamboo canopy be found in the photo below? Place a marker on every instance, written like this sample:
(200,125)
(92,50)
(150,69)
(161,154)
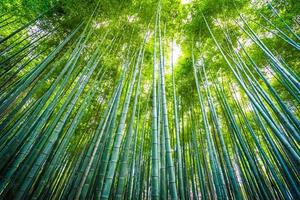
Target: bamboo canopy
(168,99)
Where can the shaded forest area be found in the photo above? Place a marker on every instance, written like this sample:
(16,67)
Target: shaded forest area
(145,99)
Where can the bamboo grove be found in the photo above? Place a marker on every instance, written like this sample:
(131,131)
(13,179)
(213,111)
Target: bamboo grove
(105,111)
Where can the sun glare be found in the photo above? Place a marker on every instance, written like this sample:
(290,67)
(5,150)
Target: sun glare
(176,53)
(186,1)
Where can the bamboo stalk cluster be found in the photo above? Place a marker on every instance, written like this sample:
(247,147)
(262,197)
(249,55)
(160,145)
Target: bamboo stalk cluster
(222,146)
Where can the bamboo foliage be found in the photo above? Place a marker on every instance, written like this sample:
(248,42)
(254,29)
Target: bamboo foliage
(78,123)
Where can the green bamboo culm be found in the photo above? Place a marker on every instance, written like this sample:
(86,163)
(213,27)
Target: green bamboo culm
(169,160)
(154,146)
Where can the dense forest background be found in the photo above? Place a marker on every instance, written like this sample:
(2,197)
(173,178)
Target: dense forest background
(168,99)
